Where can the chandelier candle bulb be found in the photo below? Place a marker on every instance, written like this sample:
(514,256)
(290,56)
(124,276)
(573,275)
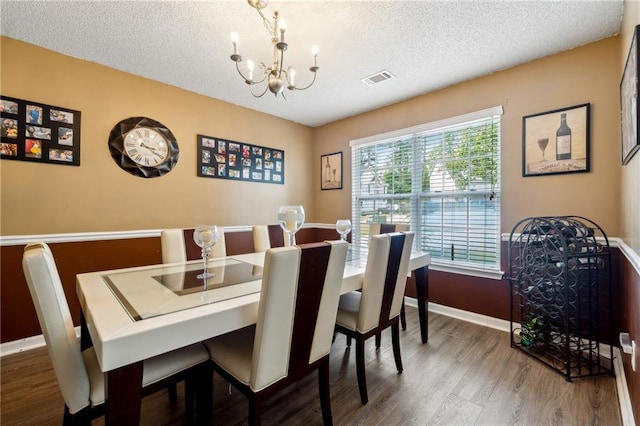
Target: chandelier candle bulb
(250,66)
(314,52)
(283,28)
(235,39)
(290,218)
(292,76)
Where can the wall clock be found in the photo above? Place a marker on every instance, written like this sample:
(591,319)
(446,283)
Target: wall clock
(143,147)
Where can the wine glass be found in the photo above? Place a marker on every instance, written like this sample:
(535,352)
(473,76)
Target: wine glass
(343,226)
(542,144)
(291,219)
(205,236)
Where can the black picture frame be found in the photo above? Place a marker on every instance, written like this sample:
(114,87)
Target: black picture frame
(629,111)
(543,149)
(226,159)
(40,133)
(331,171)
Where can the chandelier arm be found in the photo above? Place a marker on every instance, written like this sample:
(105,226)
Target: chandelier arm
(266,87)
(315,74)
(246,80)
(240,72)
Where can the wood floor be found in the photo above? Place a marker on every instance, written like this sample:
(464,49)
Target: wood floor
(465,375)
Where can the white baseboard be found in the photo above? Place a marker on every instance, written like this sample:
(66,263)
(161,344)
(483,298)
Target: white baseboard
(21,345)
(626,411)
(484,320)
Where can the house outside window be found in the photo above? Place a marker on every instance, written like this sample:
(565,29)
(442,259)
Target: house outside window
(443,180)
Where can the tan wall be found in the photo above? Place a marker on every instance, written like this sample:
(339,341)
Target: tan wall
(630,183)
(586,74)
(98,195)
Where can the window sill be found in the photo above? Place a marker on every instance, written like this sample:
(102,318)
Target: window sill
(466,270)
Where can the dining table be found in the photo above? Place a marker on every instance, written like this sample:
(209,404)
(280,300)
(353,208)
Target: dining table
(132,314)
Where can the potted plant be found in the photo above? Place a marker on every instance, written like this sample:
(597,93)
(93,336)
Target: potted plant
(529,331)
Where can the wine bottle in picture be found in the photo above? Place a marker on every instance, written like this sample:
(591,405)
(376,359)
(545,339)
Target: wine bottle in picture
(327,171)
(563,140)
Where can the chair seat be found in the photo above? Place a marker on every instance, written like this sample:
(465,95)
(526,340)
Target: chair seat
(155,369)
(348,310)
(233,352)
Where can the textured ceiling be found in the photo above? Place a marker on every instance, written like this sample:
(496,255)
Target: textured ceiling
(427,45)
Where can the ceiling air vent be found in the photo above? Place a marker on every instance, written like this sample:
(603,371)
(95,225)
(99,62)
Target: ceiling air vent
(378,77)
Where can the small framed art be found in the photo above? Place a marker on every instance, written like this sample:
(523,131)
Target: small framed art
(555,142)
(331,171)
(630,113)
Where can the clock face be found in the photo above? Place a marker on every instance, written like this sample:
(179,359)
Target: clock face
(143,147)
(146,147)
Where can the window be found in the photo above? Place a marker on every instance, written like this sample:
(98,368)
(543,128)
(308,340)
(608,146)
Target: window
(442,179)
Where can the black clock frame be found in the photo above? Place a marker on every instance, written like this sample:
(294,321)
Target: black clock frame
(116,147)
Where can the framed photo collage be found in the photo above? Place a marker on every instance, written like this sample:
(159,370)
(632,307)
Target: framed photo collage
(36,132)
(224,159)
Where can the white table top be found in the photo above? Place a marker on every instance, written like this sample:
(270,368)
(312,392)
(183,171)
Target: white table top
(169,318)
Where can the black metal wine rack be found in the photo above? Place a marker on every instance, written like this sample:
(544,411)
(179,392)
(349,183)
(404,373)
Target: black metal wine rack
(560,279)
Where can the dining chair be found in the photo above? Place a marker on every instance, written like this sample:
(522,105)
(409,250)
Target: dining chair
(268,236)
(261,242)
(177,245)
(366,313)
(77,371)
(293,333)
(386,228)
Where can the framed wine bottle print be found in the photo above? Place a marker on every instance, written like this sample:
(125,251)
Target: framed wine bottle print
(555,142)
(630,113)
(331,171)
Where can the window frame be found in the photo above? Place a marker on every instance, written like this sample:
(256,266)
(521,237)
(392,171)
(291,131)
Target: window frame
(492,270)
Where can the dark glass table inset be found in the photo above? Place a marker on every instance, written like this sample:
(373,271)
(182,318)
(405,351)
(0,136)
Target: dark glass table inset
(170,288)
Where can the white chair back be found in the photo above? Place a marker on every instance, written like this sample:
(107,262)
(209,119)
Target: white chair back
(173,246)
(386,228)
(220,248)
(261,240)
(55,320)
(385,279)
(297,309)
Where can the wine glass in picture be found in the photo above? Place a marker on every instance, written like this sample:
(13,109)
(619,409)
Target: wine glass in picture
(291,219)
(343,226)
(542,144)
(205,236)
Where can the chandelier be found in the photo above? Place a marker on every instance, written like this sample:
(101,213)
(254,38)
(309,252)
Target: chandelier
(275,76)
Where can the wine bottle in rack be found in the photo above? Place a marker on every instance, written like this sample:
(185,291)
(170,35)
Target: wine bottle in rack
(563,139)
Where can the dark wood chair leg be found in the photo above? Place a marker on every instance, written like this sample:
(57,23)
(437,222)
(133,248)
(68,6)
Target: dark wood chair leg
(325,394)
(81,418)
(362,379)
(348,341)
(202,381)
(403,318)
(254,411)
(189,390)
(173,393)
(378,340)
(395,340)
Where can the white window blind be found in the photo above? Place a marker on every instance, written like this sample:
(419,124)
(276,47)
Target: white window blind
(442,179)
